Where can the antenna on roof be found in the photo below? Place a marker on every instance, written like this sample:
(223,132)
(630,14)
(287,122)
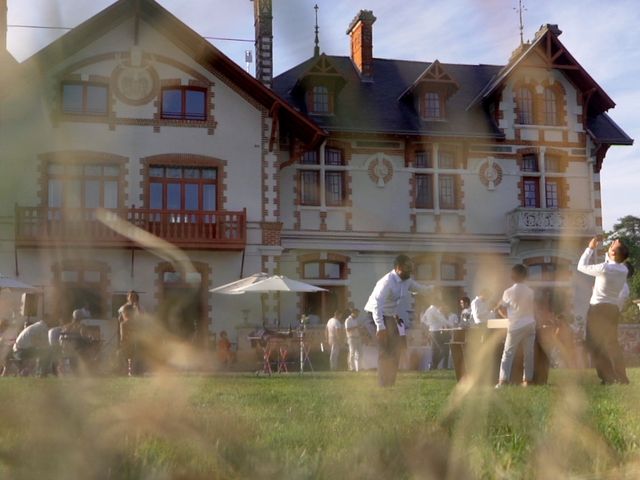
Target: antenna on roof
(520,9)
(248,59)
(316,49)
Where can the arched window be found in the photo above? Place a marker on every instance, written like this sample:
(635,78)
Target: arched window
(524,106)
(550,107)
(183,301)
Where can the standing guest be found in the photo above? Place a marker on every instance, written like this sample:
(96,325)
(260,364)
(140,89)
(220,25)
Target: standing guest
(603,314)
(466,316)
(126,332)
(480,309)
(133,299)
(437,321)
(518,307)
(354,339)
(384,308)
(224,350)
(32,344)
(333,335)
(128,340)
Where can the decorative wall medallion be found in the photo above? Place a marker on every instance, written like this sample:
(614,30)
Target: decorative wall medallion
(380,170)
(490,174)
(135,85)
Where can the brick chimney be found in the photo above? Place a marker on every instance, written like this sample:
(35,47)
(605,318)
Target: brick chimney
(263,22)
(361,32)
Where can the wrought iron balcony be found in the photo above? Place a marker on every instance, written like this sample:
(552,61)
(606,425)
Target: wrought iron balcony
(44,226)
(543,222)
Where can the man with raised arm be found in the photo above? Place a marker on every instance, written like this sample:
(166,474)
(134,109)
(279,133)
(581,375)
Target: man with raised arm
(602,316)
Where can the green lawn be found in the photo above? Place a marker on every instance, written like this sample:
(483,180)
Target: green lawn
(320,425)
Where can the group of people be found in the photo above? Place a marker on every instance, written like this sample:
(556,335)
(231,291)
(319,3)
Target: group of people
(352,330)
(47,347)
(518,304)
(42,349)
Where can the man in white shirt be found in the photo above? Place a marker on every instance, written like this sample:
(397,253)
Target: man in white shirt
(33,344)
(602,316)
(385,309)
(333,335)
(436,321)
(354,339)
(517,307)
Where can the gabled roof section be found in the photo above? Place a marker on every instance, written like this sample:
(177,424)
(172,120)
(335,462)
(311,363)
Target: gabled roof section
(435,75)
(185,39)
(321,68)
(547,51)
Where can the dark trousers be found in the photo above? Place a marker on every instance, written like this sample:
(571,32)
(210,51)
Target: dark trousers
(389,353)
(603,345)
(440,349)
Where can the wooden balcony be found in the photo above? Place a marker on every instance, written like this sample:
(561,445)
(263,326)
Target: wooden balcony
(44,226)
(547,222)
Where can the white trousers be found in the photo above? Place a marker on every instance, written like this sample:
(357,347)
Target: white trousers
(355,347)
(333,356)
(525,336)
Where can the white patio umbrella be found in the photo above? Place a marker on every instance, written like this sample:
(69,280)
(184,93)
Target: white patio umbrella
(273,283)
(235,287)
(279,283)
(13,284)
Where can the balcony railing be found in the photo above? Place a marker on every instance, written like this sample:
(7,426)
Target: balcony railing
(44,226)
(542,222)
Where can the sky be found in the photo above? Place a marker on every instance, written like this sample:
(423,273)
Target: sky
(602,36)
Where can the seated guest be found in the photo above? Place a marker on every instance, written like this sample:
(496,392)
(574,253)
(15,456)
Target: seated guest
(32,345)
(7,338)
(75,341)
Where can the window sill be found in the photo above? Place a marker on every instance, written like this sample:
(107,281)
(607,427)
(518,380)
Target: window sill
(323,208)
(538,125)
(439,211)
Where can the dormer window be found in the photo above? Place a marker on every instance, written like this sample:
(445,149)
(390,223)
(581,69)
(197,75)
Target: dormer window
(320,101)
(432,106)
(84,98)
(184,103)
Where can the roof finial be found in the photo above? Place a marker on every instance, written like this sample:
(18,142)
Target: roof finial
(520,9)
(316,49)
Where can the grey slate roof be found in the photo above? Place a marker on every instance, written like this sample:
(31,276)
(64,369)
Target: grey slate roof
(605,130)
(374,107)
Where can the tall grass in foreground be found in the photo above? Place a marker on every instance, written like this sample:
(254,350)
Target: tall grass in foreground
(319,425)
